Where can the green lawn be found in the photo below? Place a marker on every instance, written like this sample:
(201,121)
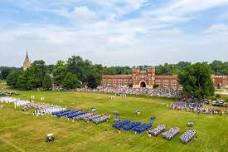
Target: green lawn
(2,85)
(20,131)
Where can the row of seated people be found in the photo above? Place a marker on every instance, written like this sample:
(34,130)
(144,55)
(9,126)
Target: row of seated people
(171,133)
(134,126)
(81,115)
(7,93)
(15,101)
(40,108)
(138,127)
(188,136)
(43,109)
(137,91)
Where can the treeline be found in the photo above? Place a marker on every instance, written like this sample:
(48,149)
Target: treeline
(216,67)
(117,70)
(5,71)
(77,72)
(74,73)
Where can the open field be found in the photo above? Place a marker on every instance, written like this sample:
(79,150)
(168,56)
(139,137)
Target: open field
(222,92)
(20,131)
(3,85)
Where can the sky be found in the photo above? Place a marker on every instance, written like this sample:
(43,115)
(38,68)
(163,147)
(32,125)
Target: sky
(114,32)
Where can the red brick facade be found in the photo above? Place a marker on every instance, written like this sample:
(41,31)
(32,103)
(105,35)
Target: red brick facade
(148,79)
(167,82)
(220,81)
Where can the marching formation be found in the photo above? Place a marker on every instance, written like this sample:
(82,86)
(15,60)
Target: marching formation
(171,133)
(139,128)
(59,112)
(40,108)
(81,115)
(126,125)
(187,136)
(156,131)
(136,127)
(7,93)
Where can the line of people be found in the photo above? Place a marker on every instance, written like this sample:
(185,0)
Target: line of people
(120,90)
(7,93)
(196,108)
(82,115)
(44,109)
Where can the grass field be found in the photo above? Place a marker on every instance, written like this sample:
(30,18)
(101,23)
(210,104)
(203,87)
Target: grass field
(20,131)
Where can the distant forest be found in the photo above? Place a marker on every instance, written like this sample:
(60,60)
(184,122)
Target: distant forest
(77,72)
(217,68)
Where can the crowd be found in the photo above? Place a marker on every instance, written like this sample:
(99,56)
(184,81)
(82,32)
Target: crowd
(156,131)
(7,93)
(126,125)
(40,108)
(136,127)
(170,93)
(44,109)
(187,136)
(171,133)
(195,107)
(82,115)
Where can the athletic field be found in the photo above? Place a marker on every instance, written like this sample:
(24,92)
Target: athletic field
(20,131)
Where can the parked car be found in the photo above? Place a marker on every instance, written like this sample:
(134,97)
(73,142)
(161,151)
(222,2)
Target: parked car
(218,103)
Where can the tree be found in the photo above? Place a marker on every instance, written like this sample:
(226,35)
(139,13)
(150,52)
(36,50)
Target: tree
(59,73)
(183,64)
(35,74)
(76,65)
(12,78)
(47,82)
(92,81)
(196,81)
(225,68)
(166,69)
(217,67)
(83,69)
(22,81)
(117,70)
(169,69)
(71,81)
(94,77)
(32,78)
(5,71)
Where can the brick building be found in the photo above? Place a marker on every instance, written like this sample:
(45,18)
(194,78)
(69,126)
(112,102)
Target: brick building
(220,81)
(148,79)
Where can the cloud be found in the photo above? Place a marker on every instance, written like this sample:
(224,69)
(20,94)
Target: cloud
(83,12)
(221,29)
(183,10)
(112,45)
(103,32)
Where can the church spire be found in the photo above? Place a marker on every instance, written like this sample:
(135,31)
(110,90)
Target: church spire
(27,54)
(27,62)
